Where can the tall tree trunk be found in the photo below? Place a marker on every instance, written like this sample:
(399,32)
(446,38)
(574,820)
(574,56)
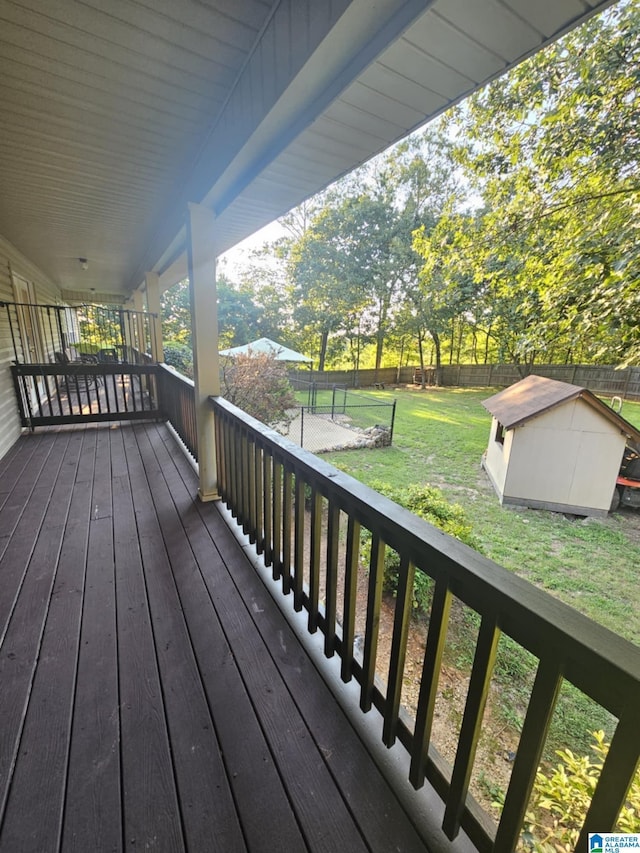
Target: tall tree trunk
(382,326)
(324,339)
(421,353)
(453,340)
(460,333)
(438,348)
(379,349)
(486,345)
(400,361)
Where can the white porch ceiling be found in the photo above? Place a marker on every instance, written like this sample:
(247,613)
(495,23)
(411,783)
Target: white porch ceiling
(115,115)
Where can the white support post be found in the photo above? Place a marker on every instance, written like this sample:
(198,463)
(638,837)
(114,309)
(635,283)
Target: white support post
(152,281)
(204,333)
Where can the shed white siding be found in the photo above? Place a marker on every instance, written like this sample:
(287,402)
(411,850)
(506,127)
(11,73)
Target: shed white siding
(565,459)
(497,457)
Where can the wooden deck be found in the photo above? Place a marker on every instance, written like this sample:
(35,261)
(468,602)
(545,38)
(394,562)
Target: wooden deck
(152,697)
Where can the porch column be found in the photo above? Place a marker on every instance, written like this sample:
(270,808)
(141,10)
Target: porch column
(152,281)
(204,334)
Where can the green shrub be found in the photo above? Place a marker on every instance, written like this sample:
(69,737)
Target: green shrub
(179,355)
(560,801)
(429,503)
(86,348)
(258,383)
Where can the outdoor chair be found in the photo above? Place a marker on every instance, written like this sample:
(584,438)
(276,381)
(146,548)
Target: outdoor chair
(90,381)
(108,355)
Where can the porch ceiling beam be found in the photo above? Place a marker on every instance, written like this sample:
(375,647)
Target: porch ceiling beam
(344,46)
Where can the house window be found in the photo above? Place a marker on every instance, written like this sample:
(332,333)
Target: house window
(499,433)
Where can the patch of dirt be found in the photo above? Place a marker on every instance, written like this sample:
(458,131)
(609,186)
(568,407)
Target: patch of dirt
(498,742)
(628,522)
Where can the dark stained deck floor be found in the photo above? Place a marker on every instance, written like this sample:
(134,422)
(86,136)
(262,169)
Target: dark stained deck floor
(152,697)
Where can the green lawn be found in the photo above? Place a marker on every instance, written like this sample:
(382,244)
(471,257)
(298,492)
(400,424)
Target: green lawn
(439,438)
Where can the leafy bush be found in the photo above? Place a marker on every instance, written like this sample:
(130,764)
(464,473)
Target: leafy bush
(86,348)
(179,355)
(560,801)
(429,503)
(258,384)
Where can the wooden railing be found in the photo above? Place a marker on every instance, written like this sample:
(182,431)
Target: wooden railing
(309,521)
(178,404)
(50,394)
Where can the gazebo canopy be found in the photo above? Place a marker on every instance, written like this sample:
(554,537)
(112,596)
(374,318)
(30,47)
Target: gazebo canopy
(266,345)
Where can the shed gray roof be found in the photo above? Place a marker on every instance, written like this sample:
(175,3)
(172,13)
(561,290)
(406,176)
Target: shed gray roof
(537,394)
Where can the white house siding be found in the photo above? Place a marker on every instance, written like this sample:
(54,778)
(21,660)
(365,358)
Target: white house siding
(566,458)
(11,261)
(497,457)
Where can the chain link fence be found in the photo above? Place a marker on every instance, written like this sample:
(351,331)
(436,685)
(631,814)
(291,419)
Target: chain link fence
(333,418)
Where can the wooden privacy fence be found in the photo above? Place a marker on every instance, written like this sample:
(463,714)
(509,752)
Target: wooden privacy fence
(310,522)
(602,380)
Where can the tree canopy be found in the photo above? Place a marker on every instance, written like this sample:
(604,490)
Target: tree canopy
(553,150)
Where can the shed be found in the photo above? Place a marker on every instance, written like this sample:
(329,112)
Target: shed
(554,446)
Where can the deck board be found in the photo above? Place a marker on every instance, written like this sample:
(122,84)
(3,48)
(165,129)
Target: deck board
(39,779)
(92,817)
(149,793)
(152,695)
(324,819)
(255,782)
(201,777)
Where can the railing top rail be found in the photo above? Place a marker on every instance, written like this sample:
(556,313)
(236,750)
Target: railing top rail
(4,303)
(320,407)
(175,374)
(116,309)
(596,660)
(81,369)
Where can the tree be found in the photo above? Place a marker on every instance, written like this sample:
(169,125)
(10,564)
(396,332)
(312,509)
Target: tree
(179,356)
(553,149)
(176,314)
(438,296)
(258,384)
(325,296)
(351,263)
(238,315)
(432,289)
